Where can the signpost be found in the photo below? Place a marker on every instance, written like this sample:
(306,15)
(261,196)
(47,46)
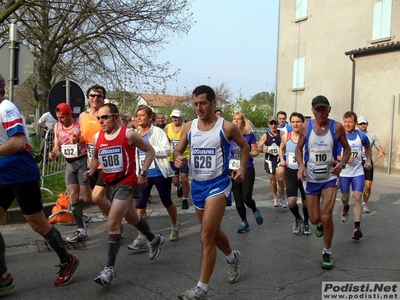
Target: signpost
(15,60)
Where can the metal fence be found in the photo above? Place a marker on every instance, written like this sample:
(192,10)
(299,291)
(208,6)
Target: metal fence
(49,167)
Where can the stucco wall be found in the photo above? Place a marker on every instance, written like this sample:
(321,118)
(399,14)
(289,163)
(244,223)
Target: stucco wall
(331,29)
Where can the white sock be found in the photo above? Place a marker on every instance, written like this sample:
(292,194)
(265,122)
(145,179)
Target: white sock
(329,251)
(364,203)
(231,257)
(82,230)
(141,237)
(203,286)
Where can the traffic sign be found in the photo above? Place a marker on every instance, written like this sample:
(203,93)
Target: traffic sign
(24,62)
(58,94)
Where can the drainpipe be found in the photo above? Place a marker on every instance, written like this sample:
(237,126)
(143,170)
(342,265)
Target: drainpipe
(353,81)
(277,59)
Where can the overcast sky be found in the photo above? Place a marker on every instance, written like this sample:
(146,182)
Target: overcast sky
(232,42)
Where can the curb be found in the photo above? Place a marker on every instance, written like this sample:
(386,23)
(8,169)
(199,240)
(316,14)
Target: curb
(15,216)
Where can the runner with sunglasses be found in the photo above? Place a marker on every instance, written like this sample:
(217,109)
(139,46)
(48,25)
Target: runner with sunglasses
(90,125)
(362,123)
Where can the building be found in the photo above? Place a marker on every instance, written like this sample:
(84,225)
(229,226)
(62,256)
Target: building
(348,51)
(157,101)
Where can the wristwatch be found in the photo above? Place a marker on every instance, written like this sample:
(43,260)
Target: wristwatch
(143,173)
(343,165)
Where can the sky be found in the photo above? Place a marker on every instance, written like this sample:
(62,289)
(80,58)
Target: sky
(232,42)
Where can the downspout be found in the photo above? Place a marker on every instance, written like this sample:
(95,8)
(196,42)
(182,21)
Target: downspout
(353,81)
(277,59)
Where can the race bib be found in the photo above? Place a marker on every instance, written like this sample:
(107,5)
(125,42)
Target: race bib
(90,151)
(173,145)
(291,159)
(142,157)
(70,151)
(320,156)
(111,159)
(356,153)
(234,164)
(273,150)
(204,160)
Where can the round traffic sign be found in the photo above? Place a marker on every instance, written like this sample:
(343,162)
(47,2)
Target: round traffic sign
(58,94)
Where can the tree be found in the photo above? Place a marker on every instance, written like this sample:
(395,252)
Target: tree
(258,109)
(8,7)
(110,42)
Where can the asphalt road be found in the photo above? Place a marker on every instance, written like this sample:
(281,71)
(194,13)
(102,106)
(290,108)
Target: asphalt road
(276,264)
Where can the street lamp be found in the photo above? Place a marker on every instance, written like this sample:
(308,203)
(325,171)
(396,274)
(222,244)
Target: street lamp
(208,77)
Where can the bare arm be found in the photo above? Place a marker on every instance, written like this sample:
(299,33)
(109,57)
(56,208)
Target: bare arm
(15,144)
(341,136)
(136,140)
(262,148)
(179,160)
(282,149)
(301,174)
(56,148)
(233,133)
(254,151)
(95,159)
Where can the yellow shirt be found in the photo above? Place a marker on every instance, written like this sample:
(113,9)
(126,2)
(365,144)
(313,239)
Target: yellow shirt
(173,141)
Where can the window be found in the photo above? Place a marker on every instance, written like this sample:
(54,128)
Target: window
(301,9)
(382,19)
(299,68)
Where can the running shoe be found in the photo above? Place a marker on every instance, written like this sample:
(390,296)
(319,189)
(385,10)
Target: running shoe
(66,271)
(77,237)
(365,209)
(155,249)
(139,244)
(105,277)
(259,218)
(7,283)
(193,294)
(297,225)
(357,234)
(319,230)
(307,230)
(233,268)
(174,236)
(275,202)
(345,215)
(244,227)
(327,261)
(185,203)
(283,202)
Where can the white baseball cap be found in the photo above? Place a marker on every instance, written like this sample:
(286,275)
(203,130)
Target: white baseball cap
(362,120)
(176,113)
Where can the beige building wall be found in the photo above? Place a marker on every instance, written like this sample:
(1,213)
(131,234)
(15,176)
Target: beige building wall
(331,29)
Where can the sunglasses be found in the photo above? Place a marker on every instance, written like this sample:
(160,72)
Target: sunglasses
(96,95)
(362,123)
(273,123)
(104,117)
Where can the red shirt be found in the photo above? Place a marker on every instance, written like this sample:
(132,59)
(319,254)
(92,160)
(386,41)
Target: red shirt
(117,158)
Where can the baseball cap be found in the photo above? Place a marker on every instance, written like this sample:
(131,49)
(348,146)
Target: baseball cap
(320,101)
(362,120)
(272,119)
(2,82)
(63,108)
(176,113)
